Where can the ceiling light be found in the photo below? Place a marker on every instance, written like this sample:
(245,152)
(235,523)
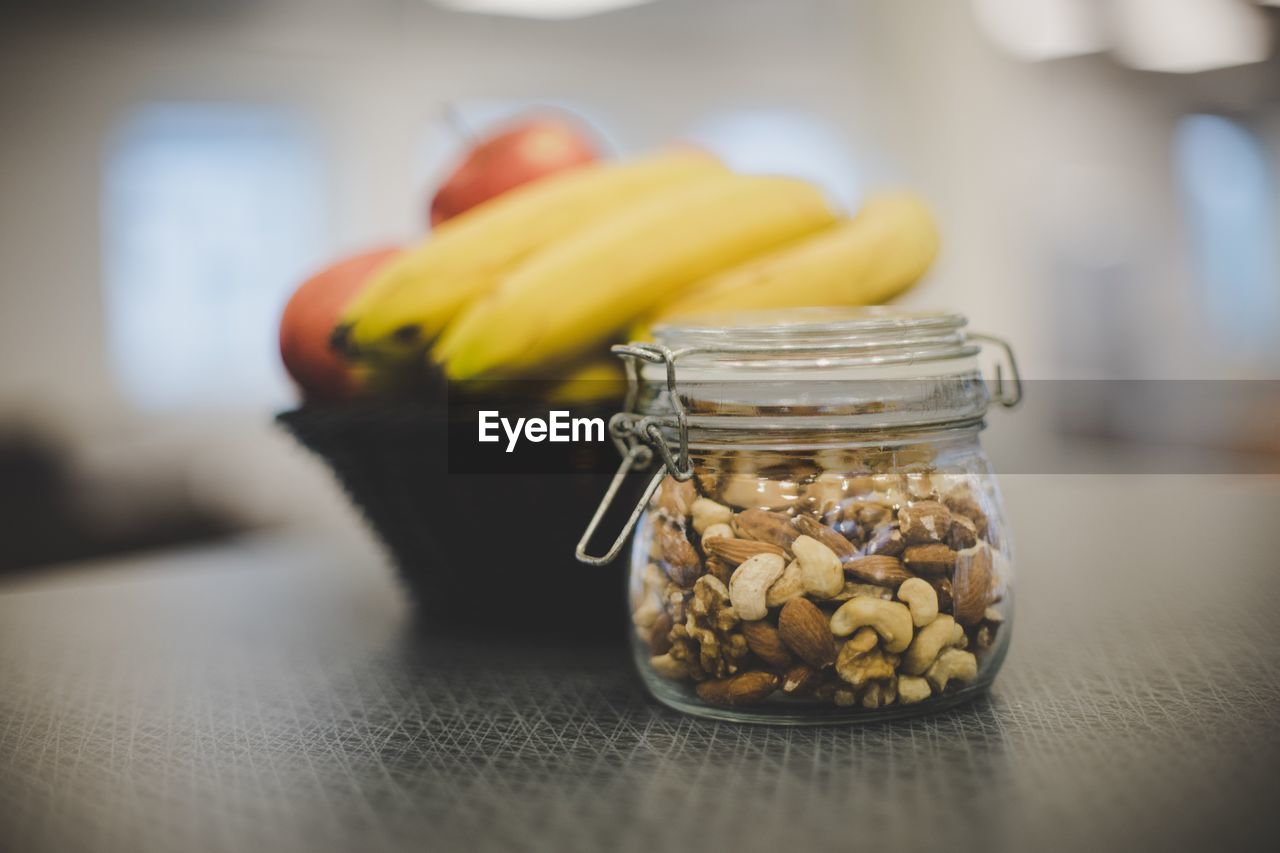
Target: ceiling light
(1035,30)
(552,10)
(1190,35)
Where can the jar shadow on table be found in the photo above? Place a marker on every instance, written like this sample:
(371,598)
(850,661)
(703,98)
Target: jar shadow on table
(600,676)
(568,730)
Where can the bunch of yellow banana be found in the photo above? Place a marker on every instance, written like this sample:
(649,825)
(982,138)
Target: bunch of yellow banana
(577,292)
(864,260)
(410,300)
(535,281)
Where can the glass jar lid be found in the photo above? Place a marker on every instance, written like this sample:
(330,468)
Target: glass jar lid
(816,339)
(808,370)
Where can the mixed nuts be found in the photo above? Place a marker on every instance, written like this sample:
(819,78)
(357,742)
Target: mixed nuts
(857,592)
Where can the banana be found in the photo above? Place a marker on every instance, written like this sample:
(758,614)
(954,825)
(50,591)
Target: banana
(867,259)
(409,300)
(583,289)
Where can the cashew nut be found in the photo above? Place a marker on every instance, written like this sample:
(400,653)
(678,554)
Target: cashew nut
(922,598)
(750,490)
(820,568)
(787,587)
(647,602)
(646,614)
(929,640)
(720,529)
(891,620)
(952,665)
(668,667)
(707,512)
(750,582)
(826,490)
(654,579)
(912,689)
(648,585)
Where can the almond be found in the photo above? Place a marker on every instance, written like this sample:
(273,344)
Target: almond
(879,569)
(735,551)
(924,522)
(972,584)
(814,529)
(764,526)
(679,558)
(887,540)
(942,586)
(676,498)
(707,479)
(763,640)
(867,514)
(933,560)
(805,630)
(743,689)
(963,502)
(720,569)
(801,680)
(963,533)
(659,634)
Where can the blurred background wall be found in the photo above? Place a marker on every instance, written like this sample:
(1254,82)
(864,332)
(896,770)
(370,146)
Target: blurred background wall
(1104,175)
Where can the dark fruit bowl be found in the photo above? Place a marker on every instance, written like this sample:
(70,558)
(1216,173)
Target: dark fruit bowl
(480,552)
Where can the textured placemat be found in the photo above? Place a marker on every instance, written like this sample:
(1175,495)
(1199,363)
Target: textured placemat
(278,694)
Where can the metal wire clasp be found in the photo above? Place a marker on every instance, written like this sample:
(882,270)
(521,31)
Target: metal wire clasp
(1011,396)
(637,438)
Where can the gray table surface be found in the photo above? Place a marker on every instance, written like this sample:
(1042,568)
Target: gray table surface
(274,693)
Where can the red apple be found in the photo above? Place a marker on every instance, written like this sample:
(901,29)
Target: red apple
(516,156)
(308,321)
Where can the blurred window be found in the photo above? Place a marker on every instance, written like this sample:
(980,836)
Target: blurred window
(783,142)
(1229,191)
(212,215)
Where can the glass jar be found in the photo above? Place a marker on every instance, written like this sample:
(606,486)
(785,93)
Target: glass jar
(823,539)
